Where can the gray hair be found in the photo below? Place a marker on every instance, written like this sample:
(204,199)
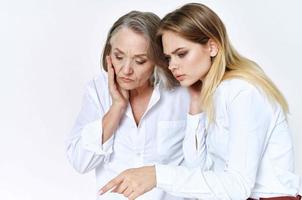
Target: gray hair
(147,24)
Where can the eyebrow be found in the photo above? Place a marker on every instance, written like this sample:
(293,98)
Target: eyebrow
(137,55)
(175,51)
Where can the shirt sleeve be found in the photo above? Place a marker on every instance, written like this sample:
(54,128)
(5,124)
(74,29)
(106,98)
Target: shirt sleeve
(249,119)
(84,145)
(194,146)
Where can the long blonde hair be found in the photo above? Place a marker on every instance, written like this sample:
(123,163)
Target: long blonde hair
(198,23)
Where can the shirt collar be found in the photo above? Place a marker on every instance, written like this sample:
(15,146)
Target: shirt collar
(155,97)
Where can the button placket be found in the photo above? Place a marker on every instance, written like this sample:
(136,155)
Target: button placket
(139,144)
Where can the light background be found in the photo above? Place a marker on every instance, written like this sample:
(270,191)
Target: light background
(49,49)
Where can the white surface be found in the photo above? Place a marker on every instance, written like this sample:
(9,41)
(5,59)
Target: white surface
(49,49)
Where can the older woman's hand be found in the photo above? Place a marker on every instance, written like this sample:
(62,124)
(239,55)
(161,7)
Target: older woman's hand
(133,182)
(120,96)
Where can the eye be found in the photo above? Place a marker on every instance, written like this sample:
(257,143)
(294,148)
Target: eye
(182,54)
(118,57)
(140,62)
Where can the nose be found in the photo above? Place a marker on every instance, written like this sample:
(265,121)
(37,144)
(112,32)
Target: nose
(172,65)
(127,68)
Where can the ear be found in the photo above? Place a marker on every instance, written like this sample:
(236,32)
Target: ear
(213,47)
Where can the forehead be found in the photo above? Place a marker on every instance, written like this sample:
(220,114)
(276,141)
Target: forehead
(172,41)
(129,41)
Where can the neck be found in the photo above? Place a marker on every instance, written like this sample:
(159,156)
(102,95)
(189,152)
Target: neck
(141,91)
(139,100)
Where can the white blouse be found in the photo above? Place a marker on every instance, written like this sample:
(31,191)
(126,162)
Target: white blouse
(156,140)
(246,152)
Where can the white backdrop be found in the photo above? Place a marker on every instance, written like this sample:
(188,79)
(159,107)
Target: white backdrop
(49,49)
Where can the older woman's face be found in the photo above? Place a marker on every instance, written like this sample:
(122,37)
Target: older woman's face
(188,61)
(130,60)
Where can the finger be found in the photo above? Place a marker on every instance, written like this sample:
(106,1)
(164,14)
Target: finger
(110,70)
(111,184)
(120,188)
(108,60)
(111,76)
(133,196)
(128,192)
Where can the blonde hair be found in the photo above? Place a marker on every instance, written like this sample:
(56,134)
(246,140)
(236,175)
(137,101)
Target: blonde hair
(146,24)
(198,23)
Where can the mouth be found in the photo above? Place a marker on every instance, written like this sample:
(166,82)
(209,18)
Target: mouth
(180,77)
(126,80)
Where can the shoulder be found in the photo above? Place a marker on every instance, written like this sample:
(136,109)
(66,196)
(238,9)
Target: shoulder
(176,99)
(236,84)
(99,81)
(177,91)
(97,88)
(233,88)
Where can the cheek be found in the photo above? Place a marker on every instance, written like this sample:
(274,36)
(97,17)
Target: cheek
(114,62)
(145,73)
(202,64)
(117,64)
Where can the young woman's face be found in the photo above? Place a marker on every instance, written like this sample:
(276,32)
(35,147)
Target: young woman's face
(188,61)
(130,60)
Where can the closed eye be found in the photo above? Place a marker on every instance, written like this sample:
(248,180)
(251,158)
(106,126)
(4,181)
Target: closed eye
(118,57)
(140,62)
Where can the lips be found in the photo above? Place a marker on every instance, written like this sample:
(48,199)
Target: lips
(124,79)
(180,77)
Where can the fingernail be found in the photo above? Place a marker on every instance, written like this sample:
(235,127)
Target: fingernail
(100,192)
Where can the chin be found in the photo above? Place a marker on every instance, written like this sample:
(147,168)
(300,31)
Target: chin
(186,83)
(127,86)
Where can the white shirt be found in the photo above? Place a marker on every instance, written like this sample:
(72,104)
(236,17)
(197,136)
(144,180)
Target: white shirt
(157,139)
(247,152)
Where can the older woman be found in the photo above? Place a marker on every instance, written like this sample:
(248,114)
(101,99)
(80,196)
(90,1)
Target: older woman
(134,115)
(238,144)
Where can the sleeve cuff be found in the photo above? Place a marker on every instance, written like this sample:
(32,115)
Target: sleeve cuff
(92,139)
(165,175)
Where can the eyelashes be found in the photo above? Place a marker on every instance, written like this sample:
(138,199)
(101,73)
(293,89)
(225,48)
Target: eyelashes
(138,62)
(182,54)
(179,55)
(118,57)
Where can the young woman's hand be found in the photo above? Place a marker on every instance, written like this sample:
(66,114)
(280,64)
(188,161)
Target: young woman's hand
(120,96)
(132,183)
(194,91)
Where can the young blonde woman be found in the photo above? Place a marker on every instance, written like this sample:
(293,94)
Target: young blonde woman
(237,144)
(128,116)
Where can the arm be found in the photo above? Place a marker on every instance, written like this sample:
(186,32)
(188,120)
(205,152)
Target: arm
(91,139)
(120,100)
(84,146)
(249,119)
(194,147)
